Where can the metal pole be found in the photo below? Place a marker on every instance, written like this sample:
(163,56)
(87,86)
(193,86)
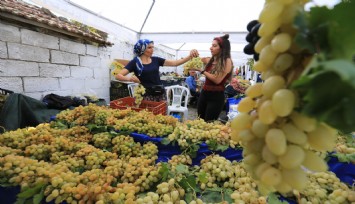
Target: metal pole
(151,7)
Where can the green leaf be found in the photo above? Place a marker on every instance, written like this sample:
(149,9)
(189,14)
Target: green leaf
(192,150)
(227,195)
(29,193)
(348,158)
(189,196)
(59,124)
(328,30)
(222,148)
(331,104)
(212,197)
(202,177)
(189,184)
(212,144)
(96,128)
(165,141)
(341,29)
(182,169)
(303,38)
(274,199)
(20,201)
(37,199)
(164,171)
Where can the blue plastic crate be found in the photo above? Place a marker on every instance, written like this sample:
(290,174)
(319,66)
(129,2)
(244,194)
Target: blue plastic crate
(231,101)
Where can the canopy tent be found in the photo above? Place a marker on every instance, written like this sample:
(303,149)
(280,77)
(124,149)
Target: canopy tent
(182,24)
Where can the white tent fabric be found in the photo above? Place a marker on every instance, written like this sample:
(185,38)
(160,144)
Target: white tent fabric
(182,24)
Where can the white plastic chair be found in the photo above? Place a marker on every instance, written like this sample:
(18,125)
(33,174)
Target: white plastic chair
(131,88)
(177,98)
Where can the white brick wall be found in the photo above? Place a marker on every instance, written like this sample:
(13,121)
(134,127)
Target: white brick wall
(72,84)
(37,84)
(90,61)
(95,83)
(53,70)
(72,47)
(101,73)
(59,57)
(26,52)
(37,64)
(18,68)
(91,50)
(12,83)
(33,38)
(81,72)
(3,50)
(9,33)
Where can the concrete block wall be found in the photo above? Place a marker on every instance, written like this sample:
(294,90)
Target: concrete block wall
(36,64)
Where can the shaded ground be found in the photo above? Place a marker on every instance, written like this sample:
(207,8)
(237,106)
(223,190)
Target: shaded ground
(193,114)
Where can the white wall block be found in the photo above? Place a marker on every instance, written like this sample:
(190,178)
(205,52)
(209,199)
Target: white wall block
(72,84)
(33,38)
(59,57)
(12,83)
(36,84)
(3,50)
(53,70)
(9,33)
(91,50)
(81,72)
(72,47)
(89,61)
(27,52)
(18,68)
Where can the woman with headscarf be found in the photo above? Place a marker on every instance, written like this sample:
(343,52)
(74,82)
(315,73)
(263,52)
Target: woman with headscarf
(217,71)
(145,67)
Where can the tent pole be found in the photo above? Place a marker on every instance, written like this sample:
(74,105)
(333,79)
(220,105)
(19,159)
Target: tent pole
(151,7)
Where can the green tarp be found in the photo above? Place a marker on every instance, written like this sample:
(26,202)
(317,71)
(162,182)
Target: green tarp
(20,111)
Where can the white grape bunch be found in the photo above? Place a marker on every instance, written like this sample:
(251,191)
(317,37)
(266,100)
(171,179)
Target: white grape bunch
(139,91)
(276,138)
(194,63)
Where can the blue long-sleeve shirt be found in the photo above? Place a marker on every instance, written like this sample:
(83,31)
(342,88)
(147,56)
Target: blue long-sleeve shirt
(190,80)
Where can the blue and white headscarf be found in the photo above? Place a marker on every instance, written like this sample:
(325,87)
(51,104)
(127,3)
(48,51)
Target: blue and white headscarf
(138,50)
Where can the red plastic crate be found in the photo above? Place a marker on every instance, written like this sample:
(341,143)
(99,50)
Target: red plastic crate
(128,102)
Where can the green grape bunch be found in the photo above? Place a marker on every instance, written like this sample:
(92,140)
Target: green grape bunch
(195,63)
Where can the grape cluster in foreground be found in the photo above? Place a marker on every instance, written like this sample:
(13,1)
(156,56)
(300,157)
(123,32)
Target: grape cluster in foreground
(277,140)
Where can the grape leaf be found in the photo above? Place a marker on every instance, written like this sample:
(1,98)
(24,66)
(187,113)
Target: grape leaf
(189,196)
(182,169)
(303,38)
(212,197)
(164,171)
(217,195)
(274,199)
(189,184)
(31,191)
(328,30)
(348,158)
(214,146)
(227,195)
(38,197)
(331,104)
(202,177)
(165,141)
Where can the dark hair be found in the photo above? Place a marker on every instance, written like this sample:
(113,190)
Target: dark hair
(225,53)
